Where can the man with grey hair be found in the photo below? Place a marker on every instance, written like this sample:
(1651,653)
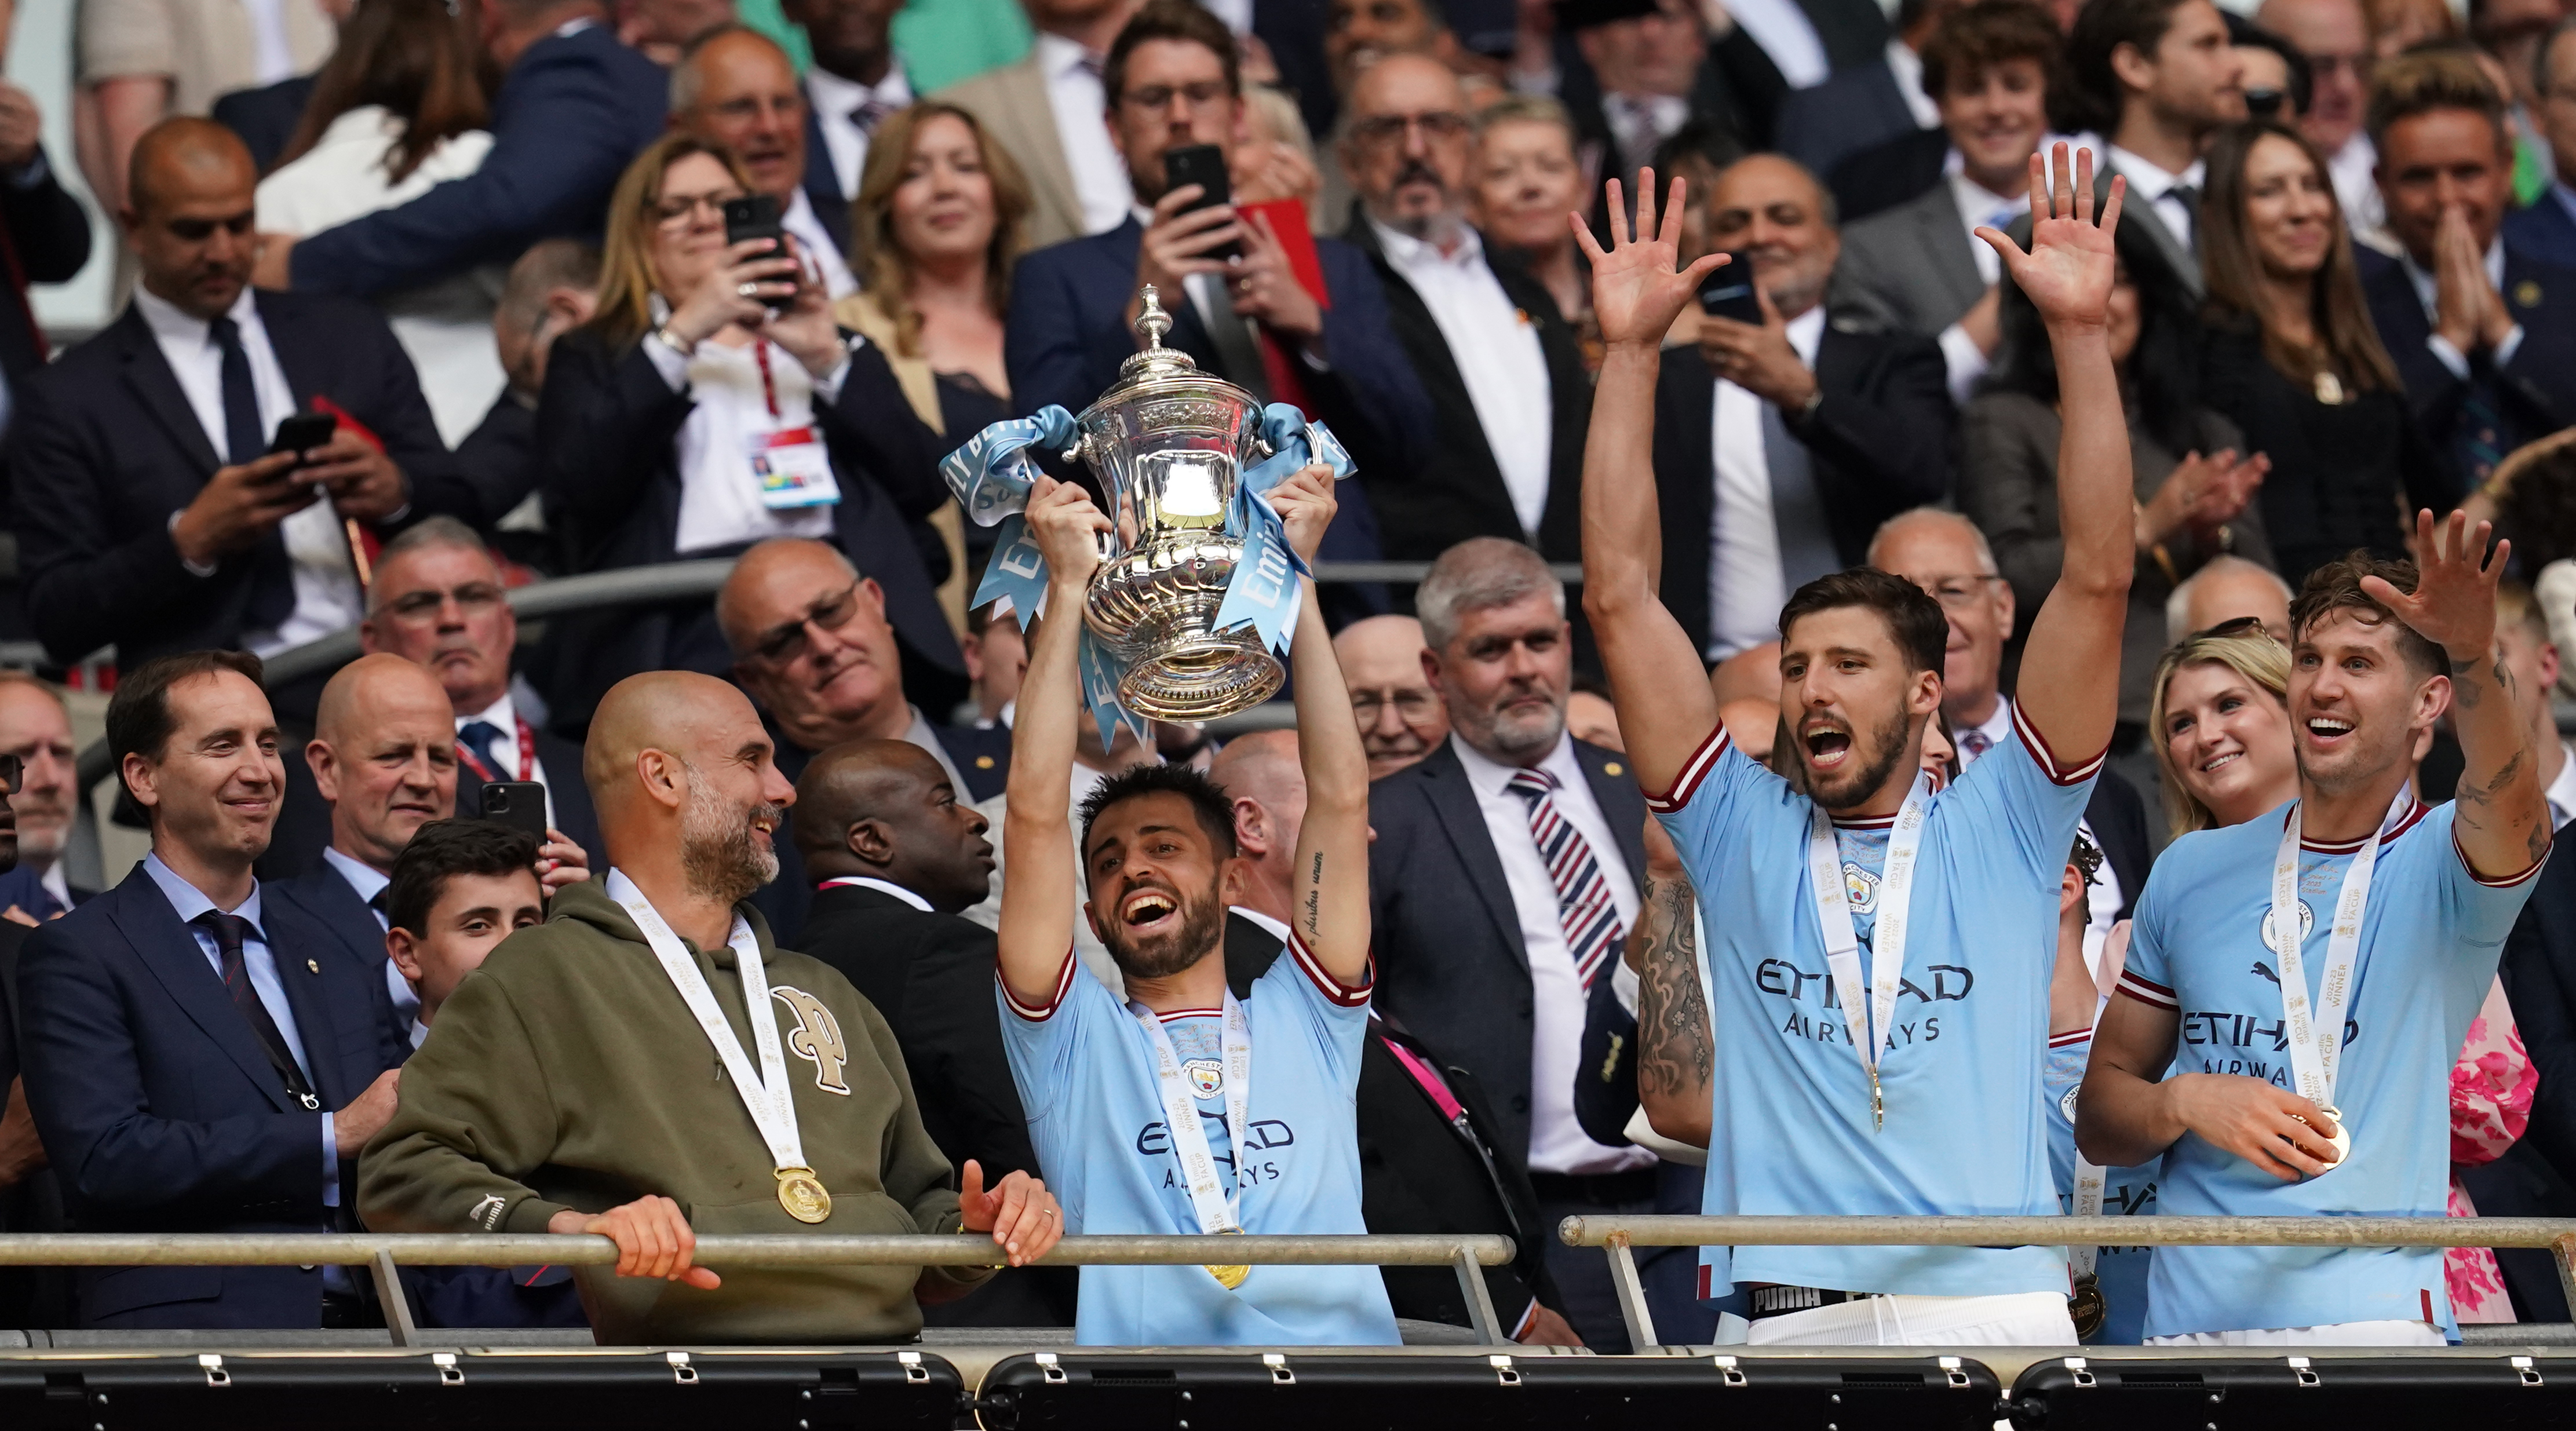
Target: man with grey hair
(734,86)
(2229,587)
(36,728)
(1503,882)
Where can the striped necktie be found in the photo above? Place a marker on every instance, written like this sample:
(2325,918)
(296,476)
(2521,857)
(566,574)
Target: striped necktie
(1584,906)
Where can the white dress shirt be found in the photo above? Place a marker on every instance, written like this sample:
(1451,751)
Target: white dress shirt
(1746,585)
(1785,33)
(2562,791)
(1276,929)
(1497,351)
(2428,291)
(327,598)
(923,734)
(819,246)
(1639,122)
(720,504)
(370,882)
(2155,184)
(1558,1143)
(1081,121)
(1978,205)
(1907,67)
(836,100)
(272,57)
(2102,900)
(503,716)
(881,887)
(2354,170)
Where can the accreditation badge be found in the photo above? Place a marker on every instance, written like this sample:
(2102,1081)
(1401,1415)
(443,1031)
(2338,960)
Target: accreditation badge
(794,469)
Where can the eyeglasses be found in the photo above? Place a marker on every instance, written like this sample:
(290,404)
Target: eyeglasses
(1956,592)
(13,772)
(1387,130)
(473,598)
(673,210)
(1201,94)
(783,646)
(1410,706)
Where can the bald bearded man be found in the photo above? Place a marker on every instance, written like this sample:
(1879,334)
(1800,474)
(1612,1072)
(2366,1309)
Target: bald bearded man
(630,1005)
(383,754)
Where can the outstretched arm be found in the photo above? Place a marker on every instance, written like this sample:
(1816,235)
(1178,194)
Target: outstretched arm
(2503,819)
(2076,636)
(1037,827)
(1665,706)
(1331,894)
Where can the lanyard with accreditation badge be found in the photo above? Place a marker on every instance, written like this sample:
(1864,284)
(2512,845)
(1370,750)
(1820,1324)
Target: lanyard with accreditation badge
(1868,1034)
(2315,1035)
(794,468)
(1219,1208)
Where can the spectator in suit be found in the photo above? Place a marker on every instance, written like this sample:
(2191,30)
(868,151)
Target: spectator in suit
(2227,588)
(1871,103)
(663,30)
(149,510)
(895,853)
(1990,68)
(2546,229)
(651,410)
(143,61)
(1499,367)
(385,755)
(1429,1160)
(552,289)
(198,1058)
(1387,669)
(1042,111)
(2523,644)
(31,1200)
(438,602)
(44,238)
(2333,36)
(1482,952)
(2483,337)
(736,88)
(2156,78)
(856,83)
(1657,72)
(2292,359)
(1527,179)
(265,116)
(36,731)
(1779,448)
(574,105)
(1945,554)
(812,645)
(398,110)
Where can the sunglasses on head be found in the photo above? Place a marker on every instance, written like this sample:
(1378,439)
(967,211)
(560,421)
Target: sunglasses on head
(2232,626)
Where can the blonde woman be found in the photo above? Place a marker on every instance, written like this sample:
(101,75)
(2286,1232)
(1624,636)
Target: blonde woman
(2220,719)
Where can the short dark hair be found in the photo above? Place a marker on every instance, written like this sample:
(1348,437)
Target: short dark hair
(2336,586)
(1208,801)
(440,851)
(139,721)
(2425,79)
(1975,38)
(1181,21)
(1922,632)
(2101,27)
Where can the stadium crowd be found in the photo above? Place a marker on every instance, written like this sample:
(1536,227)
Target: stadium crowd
(2017,452)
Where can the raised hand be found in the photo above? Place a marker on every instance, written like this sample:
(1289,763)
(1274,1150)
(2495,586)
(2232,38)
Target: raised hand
(2453,604)
(1305,503)
(2067,273)
(1636,292)
(1065,523)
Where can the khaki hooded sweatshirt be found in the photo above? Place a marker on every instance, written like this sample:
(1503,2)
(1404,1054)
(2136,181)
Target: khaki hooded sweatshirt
(567,1072)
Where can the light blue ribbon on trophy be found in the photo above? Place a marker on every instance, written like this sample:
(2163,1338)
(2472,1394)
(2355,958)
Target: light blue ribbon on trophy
(1264,592)
(992,476)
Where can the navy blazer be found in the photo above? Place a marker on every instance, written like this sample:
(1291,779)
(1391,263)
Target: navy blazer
(105,447)
(265,116)
(983,760)
(2544,231)
(2535,394)
(2539,971)
(1853,110)
(161,1113)
(823,182)
(44,238)
(325,896)
(571,113)
(1450,963)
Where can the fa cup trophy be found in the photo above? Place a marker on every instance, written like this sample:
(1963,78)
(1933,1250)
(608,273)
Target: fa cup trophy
(1197,586)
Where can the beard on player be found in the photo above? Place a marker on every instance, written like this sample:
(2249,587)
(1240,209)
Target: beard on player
(1156,930)
(1846,761)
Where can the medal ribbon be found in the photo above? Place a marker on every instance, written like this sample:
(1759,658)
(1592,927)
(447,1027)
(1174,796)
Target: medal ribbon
(1842,940)
(764,1092)
(2089,1181)
(2315,1035)
(1218,1207)
(527,755)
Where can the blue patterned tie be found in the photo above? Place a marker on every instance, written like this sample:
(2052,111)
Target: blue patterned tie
(1584,906)
(477,737)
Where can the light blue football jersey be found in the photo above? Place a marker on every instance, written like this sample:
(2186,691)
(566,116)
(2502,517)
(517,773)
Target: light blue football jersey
(1791,1129)
(1085,1071)
(2430,940)
(2126,1192)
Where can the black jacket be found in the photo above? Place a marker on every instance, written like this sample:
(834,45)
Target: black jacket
(265,116)
(2539,972)
(1879,444)
(44,238)
(1419,1172)
(105,447)
(983,761)
(2531,396)
(1887,174)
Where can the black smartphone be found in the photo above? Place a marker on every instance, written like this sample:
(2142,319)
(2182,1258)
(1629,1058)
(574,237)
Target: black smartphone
(1728,292)
(758,217)
(519,804)
(1203,165)
(301,432)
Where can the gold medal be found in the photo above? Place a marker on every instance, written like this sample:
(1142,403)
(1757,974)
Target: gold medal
(1877,1101)
(2341,1142)
(2086,1306)
(1229,1275)
(801,1193)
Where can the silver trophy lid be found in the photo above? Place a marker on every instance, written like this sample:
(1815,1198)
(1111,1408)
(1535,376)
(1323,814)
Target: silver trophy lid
(1155,366)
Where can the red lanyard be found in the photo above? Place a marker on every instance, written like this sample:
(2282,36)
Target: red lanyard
(527,756)
(768,390)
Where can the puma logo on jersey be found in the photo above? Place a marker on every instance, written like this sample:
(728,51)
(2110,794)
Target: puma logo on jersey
(488,1212)
(817,1038)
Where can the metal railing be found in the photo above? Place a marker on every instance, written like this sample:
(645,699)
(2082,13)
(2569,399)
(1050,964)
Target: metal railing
(1617,1235)
(382,1254)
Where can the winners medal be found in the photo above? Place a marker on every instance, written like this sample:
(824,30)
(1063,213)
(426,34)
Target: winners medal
(2314,1034)
(1229,1275)
(1216,1212)
(802,1194)
(2087,1306)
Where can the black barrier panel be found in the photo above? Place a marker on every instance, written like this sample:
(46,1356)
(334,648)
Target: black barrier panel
(2278,1394)
(700,1391)
(1325,1392)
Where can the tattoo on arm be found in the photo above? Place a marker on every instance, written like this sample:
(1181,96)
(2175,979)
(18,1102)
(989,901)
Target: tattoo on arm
(1315,900)
(1674,1054)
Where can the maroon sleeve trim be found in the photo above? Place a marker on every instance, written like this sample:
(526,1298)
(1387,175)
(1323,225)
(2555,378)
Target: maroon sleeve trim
(1038,1014)
(2148,992)
(2508,881)
(1349,996)
(2057,771)
(1694,770)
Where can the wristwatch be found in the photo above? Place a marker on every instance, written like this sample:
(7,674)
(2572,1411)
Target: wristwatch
(677,344)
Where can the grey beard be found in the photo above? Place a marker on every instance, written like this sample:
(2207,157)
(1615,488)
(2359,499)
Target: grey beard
(718,857)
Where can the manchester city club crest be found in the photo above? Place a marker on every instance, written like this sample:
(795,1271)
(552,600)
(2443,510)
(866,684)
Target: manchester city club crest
(1207,1076)
(2307,922)
(1860,887)
(2067,1103)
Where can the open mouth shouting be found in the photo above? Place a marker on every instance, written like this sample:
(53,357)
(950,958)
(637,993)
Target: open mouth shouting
(1148,910)
(1828,742)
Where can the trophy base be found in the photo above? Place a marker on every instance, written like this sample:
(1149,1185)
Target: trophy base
(1203,678)
(1154,609)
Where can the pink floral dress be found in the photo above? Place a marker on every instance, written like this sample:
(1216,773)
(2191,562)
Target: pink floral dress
(2491,1088)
